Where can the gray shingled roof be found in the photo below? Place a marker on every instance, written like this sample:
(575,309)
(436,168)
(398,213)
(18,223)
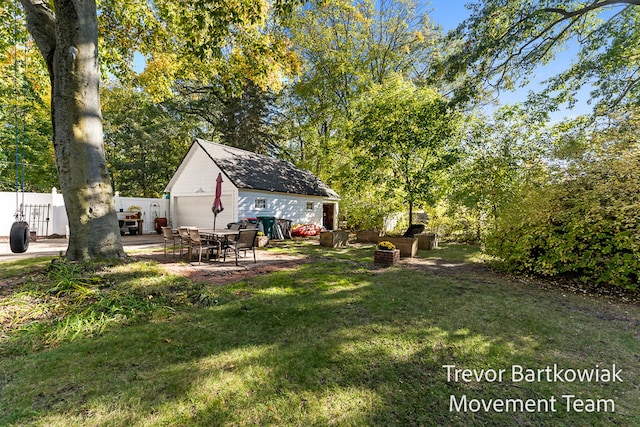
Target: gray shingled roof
(252,171)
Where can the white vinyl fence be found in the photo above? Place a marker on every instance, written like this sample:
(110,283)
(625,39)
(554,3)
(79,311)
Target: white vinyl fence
(46,215)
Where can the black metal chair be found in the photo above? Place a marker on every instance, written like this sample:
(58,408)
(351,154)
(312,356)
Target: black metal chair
(246,241)
(413,230)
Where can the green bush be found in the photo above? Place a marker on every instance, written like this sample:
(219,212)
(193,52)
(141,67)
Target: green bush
(585,226)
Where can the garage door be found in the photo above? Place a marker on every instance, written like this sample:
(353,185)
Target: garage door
(196,211)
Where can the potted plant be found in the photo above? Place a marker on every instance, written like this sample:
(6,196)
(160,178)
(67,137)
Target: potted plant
(262,240)
(134,212)
(386,254)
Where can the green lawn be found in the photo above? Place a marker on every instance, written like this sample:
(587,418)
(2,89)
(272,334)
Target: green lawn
(333,341)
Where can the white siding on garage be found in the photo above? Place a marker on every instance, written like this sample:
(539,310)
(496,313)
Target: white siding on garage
(199,177)
(193,191)
(196,211)
(286,206)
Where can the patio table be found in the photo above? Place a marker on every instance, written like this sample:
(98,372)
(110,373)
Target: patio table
(221,235)
(217,234)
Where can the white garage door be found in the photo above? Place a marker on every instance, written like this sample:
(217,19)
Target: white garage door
(196,211)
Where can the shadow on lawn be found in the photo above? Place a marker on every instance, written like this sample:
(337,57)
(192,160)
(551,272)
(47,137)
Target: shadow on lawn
(360,346)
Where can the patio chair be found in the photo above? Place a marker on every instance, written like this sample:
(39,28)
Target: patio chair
(167,235)
(185,241)
(236,226)
(246,241)
(201,245)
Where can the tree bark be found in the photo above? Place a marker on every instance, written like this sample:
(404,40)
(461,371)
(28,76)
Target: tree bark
(68,41)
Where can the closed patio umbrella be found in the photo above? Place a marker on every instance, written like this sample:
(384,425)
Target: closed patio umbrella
(217,202)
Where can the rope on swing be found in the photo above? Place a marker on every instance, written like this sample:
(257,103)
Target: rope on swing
(19,235)
(18,130)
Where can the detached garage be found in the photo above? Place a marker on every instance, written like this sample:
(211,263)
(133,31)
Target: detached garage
(253,186)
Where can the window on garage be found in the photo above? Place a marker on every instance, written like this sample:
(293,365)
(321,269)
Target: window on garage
(260,203)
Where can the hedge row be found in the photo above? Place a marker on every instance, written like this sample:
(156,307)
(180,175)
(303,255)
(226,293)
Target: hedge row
(585,226)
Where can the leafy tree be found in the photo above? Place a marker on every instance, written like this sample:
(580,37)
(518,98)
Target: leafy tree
(318,102)
(406,139)
(363,208)
(346,47)
(500,154)
(503,41)
(144,143)
(25,121)
(193,40)
(37,166)
(68,41)
(241,118)
(229,88)
(577,224)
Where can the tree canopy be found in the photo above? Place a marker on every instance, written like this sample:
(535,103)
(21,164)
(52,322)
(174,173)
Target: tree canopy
(501,153)
(143,142)
(504,41)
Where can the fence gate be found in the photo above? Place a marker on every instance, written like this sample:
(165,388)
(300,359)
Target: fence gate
(38,218)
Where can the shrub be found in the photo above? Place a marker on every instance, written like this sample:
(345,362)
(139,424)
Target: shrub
(586,226)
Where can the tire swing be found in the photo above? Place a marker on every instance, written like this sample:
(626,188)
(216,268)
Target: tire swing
(19,235)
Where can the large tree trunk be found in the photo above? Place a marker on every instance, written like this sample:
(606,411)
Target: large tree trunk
(68,41)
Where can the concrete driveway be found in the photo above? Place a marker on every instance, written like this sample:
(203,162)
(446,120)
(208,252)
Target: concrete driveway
(54,247)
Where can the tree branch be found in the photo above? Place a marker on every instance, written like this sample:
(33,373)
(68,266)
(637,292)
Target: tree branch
(541,43)
(629,86)
(595,5)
